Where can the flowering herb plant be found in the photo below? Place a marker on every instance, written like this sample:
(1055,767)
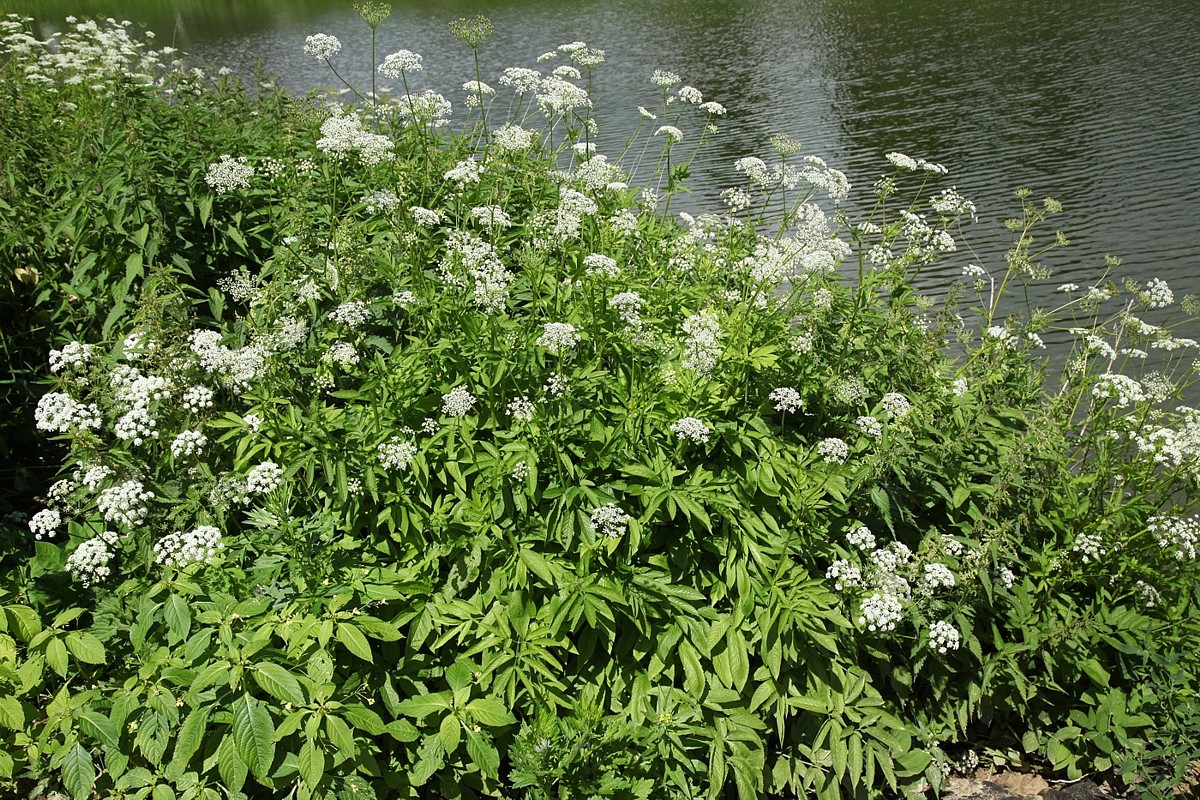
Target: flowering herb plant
(488,477)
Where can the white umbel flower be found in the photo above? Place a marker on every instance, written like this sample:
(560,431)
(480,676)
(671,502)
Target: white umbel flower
(457,402)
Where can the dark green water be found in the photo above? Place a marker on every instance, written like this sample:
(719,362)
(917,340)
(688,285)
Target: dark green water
(1095,102)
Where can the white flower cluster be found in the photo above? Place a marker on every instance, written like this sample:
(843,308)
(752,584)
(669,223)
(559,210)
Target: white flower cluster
(137,424)
(943,637)
(610,520)
(880,611)
(701,349)
(125,504)
(88,563)
(786,399)
(457,402)
(844,574)
(1178,534)
(229,174)
(1122,389)
(44,523)
(399,63)
(264,478)
(343,354)
(1174,447)
(1157,294)
(521,80)
(57,412)
(558,337)
(353,314)
(521,409)
(342,134)
(188,443)
(511,138)
(690,429)
(862,538)
(423,108)
(598,264)
(672,133)
(1089,546)
(573,206)
(396,454)
(628,306)
(74,355)
(556,385)
(180,550)
(491,216)
(475,90)
(239,367)
(870,426)
(909,164)
(833,450)
(936,576)
(322,46)
(197,398)
(896,405)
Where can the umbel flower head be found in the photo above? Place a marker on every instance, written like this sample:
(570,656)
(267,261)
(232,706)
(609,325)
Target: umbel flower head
(472,31)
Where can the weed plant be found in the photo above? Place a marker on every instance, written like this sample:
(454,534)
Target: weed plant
(404,459)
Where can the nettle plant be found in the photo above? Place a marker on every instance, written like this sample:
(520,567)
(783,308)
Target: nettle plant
(495,480)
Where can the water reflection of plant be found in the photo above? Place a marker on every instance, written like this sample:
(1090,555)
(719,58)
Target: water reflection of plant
(473,473)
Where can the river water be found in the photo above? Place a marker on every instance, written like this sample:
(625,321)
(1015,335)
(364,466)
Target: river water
(1093,102)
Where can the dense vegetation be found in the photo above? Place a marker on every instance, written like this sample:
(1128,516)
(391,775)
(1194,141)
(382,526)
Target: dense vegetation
(382,452)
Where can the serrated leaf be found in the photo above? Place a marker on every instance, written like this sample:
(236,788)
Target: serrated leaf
(100,728)
(311,762)
(484,754)
(230,765)
(86,647)
(278,682)
(78,771)
(191,735)
(354,641)
(56,656)
(423,705)
(450,733)
(254,735)
(340,736)
(179,618)
(490,711)
(363,718)
(12,713)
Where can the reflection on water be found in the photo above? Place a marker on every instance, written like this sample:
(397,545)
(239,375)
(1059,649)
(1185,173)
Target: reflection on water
(1095,102)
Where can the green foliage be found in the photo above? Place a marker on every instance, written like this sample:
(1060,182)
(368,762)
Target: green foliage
(402,462)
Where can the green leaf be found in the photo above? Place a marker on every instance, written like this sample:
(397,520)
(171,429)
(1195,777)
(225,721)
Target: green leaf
(254,735)
(363,718)
(191,735)
(423,705)
(278,682)
(100,728)
(86,647)
(450,733)
(56,656)
(1091,667)
(354,641)
(312,763)
(12,713)
(25,621)
(484,754)
(230,765)
(490,711)
(377,628)
(78,771)
(340,736)
(179,618)
(539,565)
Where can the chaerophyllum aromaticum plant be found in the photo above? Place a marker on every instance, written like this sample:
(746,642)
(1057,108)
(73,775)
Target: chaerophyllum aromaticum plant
(493,479)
